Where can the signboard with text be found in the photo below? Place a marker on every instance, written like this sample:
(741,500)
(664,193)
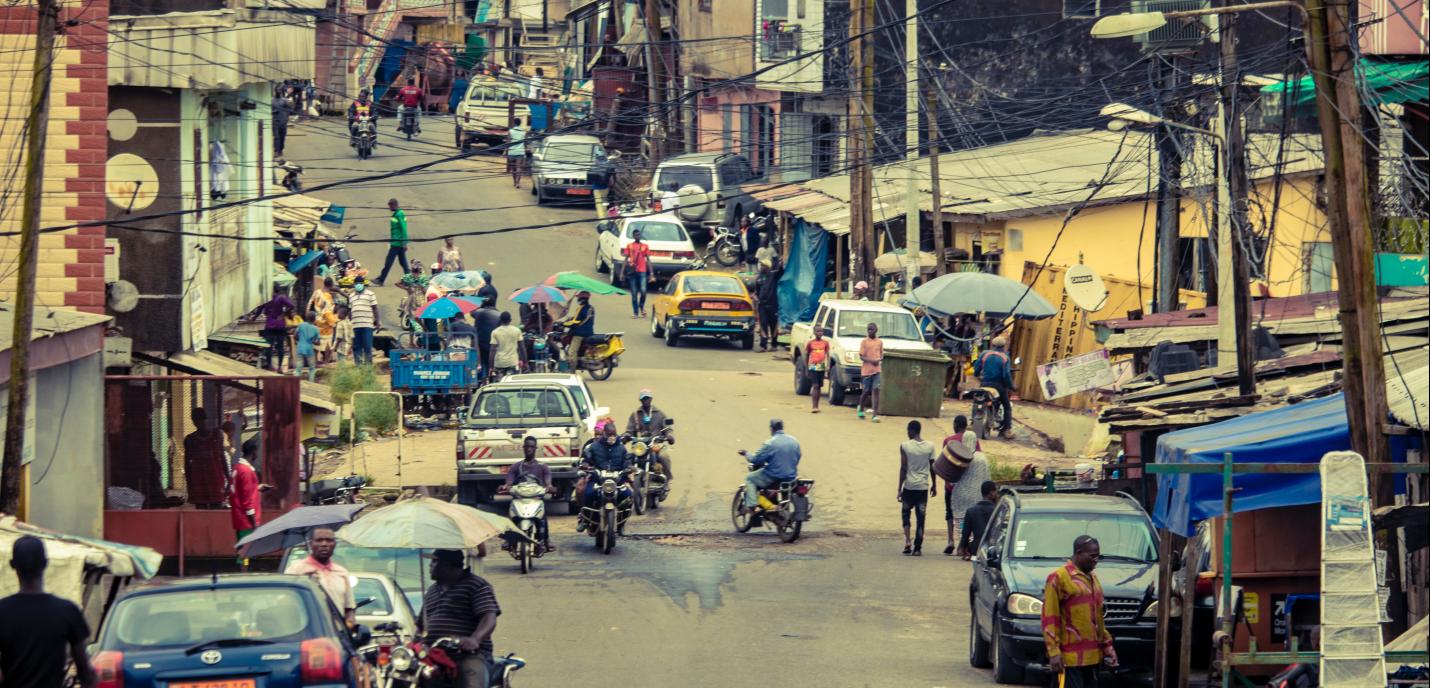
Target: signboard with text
(1083,373)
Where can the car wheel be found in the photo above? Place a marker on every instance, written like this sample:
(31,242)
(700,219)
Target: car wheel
(1005,668)
(600,262)
(836,390)
(802,383)
(655,329)
(977,646)
(672,338)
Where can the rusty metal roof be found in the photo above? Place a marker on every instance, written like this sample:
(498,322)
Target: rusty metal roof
(219,49)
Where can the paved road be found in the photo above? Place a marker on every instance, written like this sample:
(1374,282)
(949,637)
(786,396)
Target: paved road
(686,601)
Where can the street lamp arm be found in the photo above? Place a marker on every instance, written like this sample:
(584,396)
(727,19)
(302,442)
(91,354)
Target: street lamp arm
(1138,23)
(1187,127)
(1248,7)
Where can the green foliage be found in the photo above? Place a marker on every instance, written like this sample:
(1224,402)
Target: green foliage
(370,411)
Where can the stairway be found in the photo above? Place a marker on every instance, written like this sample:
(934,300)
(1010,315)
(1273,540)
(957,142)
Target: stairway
(1351,649)
(365,60)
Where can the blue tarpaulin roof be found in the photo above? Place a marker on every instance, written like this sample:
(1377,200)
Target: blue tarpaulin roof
(1298,433)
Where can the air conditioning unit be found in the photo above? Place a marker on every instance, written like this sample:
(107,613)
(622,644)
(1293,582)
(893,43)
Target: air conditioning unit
(1178,35)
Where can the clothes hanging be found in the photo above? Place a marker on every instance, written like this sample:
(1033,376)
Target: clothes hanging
(218,171)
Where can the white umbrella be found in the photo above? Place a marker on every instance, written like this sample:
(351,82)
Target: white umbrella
(897,261)
(425,523)
(465,281)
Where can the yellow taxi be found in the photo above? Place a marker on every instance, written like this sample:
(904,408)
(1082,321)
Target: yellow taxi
(704,303)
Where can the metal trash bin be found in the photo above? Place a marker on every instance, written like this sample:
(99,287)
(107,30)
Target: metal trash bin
(912,383)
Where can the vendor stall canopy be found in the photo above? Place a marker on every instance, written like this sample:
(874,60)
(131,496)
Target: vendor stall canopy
(69,557)
(1386,82)
(1298,433)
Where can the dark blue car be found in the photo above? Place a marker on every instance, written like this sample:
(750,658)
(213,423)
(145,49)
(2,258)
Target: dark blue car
(237,631)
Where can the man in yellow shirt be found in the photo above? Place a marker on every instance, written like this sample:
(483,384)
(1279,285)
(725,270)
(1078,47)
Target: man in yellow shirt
(1073,629)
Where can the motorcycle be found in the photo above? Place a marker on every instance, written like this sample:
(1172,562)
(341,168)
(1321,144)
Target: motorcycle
(345,268)
(289,171)
(365,137)
(408,125)
(600,353)
(541,356)
(786,507)
(528,507)
(336,491)
(650,484)
(724,246)
(607,517)
(415,664)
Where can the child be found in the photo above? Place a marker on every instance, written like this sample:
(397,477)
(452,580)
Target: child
(307,336)
(343,335)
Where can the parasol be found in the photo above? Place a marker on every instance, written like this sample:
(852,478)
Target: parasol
(979,292)
(537,294)
(448,307)
(292,528)
(580,282)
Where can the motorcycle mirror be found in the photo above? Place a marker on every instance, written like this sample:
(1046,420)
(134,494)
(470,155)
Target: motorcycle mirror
(669,422)
(362,635)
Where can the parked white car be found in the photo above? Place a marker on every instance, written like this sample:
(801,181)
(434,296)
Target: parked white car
(388,604)
(671,250)
(484,115)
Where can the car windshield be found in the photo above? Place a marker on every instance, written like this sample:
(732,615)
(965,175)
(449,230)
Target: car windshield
(892,324)
(487,94)
(405,566)
(373,589)
(1050,536)
(658,231)
(567,151)
(519,406)
(185,618)
(709,284)
(672,178)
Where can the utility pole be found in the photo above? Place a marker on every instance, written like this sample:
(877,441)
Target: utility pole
(860,104)
(935,184)
(912,217)
(12,479)
(655,118)
(1169,194)
(865,269)
(1348,213)
(1233,277)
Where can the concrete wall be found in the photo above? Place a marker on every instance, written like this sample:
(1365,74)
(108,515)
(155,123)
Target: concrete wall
(71,263)
(721,44)
(67,475)
(799,76)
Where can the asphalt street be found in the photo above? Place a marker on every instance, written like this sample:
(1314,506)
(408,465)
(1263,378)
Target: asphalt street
(685,601)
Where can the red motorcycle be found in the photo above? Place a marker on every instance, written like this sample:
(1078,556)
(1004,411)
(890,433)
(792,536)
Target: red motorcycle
(419,665)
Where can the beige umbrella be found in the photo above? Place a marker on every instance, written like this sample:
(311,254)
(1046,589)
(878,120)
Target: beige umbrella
(896,261)
(425,523)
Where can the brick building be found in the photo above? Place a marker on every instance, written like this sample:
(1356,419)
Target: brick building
(71,263)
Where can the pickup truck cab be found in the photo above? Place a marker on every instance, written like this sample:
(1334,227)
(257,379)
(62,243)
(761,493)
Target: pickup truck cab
(501,416)
(585,400)
(845,323)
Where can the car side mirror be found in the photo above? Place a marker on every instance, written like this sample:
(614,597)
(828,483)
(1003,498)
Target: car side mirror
(361,635)
(992,557)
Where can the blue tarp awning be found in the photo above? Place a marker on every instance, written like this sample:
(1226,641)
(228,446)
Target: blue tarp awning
(1298,433)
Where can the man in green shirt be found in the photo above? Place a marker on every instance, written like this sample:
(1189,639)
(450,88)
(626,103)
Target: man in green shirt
(397,249)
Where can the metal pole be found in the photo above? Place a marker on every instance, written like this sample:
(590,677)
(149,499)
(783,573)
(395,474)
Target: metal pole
(13,477)
(911,145)
(935,185)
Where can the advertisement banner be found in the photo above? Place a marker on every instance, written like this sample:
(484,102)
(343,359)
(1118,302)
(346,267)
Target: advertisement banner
(1083,373)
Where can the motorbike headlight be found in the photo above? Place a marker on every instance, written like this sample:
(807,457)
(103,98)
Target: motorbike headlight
(1151,611)
(1024,605)
(639,448)
(402,659)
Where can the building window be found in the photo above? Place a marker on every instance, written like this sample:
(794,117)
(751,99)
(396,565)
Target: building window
(775,9)
(1082,9)
(707,5)
(1319,266)
(778,40)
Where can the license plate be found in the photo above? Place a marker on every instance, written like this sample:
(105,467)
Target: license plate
(578,192)
(226,683)
(718,323)
(715,306)
(660,254)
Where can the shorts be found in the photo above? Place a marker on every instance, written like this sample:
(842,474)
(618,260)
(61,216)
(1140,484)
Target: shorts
(870,383)
(816,377)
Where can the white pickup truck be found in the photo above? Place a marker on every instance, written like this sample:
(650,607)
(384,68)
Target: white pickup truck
(845,322)
(558,413)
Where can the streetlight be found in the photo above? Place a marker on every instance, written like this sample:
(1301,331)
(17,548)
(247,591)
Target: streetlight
(1138,23)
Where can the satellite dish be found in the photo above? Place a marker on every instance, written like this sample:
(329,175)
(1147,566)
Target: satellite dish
(1085,288)
(122,295)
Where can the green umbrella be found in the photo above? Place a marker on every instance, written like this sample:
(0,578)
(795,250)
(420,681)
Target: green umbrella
(580,282)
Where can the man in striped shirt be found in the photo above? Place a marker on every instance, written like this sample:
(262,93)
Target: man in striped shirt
(363,312)
(461,605)
(1073,630)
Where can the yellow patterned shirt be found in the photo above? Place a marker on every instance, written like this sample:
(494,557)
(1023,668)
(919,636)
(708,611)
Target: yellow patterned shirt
(1072,617)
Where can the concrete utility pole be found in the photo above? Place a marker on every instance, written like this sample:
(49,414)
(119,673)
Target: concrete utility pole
(655,116)
(1348,213)
(1233,277)
(865,269)
(935,184)
(861,137)
(911,145)
(13,481)
(1169,195)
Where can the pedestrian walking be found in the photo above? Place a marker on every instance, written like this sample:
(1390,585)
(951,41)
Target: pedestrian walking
(308,337)
(507,353)
(975,520)
(328,574)
(365,318)
(816,357)
(324,306)
(275,312)
(245,509)
(41,632)
(1074,632)
(871,354)
(994,369)
(397,245)
(282,110)
(461,605)
(767,294)
(915,484)
(637,255)
(515,151)
(962,450)
(449,257)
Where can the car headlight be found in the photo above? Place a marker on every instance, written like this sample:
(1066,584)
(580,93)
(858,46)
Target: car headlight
(851,358)
(1024,605)
(1151,611)
(402,659)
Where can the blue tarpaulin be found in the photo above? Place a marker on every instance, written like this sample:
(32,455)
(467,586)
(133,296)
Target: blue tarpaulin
(803,281)
(1298,433)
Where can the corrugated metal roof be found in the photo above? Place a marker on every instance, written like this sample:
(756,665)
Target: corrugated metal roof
(48,322)
(298,213)
(220,49)
(1407,387)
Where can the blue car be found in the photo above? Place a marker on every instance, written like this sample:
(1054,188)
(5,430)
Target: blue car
(235,631)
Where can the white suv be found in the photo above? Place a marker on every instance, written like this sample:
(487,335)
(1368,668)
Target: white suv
(707,188)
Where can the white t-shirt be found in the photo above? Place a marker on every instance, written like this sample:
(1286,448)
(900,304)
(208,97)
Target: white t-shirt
(917,455)
(506,341)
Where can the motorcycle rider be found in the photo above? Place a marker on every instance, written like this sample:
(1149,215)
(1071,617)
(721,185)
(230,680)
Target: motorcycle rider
(776,461)
(530,467)
(580,323)
(606,454)
(362,107)
(409,97)
(649,421)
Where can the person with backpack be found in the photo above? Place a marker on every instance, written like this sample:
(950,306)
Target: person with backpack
(995,369)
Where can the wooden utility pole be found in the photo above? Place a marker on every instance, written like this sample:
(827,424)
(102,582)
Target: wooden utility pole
(1169,194)
(864,268)
(655,114)
(1348,213)
(12,483)
(1236,184)
(935,184)
(854,145)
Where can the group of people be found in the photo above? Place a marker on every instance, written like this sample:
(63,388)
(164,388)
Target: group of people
(968,490)
(331,327)
(871,367)
(290,99)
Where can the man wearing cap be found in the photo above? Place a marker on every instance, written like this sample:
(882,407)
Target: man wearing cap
(580,323)
(861,291)
(328,574)
(994,369)
(39,631)
(649,421)
(775,461)
(461,605)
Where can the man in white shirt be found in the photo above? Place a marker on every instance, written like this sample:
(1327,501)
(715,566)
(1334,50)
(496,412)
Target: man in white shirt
(535,85)
(506,349)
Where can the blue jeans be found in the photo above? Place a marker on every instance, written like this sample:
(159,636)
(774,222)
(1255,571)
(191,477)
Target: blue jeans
(309,361)
(755,481)
(638,281)
(362,345)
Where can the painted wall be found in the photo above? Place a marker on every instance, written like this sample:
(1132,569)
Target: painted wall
(718,43)
(71,263)
(800,76)
(67,475)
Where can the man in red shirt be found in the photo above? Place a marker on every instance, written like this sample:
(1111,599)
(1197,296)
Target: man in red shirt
(637,272)
(243,503)
(816,354)
(409,97)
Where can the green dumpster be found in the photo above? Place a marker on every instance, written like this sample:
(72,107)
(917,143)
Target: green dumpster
(912,383)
